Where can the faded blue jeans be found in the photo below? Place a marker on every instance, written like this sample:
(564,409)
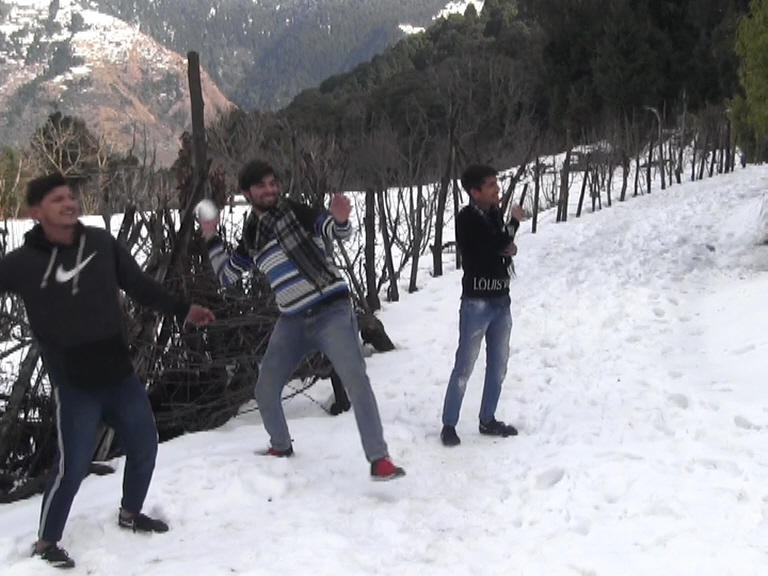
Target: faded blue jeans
(331,329)
(479,318)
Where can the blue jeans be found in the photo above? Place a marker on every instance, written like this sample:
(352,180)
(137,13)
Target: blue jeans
(125,407)
(331,329)
(479,318)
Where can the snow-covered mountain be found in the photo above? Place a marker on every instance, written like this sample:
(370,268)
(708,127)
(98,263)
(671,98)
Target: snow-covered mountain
(63,55)
(119,64)
(262,53)
(455,7)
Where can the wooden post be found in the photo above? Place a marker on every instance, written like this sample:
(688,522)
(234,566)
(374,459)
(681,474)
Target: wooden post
(198,114)
(202,163)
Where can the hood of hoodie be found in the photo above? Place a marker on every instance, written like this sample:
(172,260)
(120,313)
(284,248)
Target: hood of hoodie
(36,238)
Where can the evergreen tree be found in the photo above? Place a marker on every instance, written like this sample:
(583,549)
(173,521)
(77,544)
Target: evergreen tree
(752,47)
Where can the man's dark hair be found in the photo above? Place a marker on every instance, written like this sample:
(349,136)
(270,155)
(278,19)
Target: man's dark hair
(39,188)
(253,173)
(475,175)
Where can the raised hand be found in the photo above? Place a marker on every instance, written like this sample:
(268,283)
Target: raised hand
(340,207)
(510,250)
(199,315)
(208,228)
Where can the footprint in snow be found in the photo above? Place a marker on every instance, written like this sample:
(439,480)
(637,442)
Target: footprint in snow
(549,478)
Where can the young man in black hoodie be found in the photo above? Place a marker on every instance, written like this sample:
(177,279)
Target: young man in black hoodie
(487,245)
(69,276)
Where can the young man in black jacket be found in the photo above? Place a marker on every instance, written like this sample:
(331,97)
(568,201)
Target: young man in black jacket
(69,276)
(487,245)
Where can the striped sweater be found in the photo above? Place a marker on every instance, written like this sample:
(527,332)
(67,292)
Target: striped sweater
(294,292)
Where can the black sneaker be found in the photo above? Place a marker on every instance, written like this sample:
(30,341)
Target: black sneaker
(142,523)
(449,437)
(55,556)
(496,428)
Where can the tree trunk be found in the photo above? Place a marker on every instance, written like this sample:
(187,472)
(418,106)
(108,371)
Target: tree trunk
(18,391)
(562,205)
(609,187)
(536,192)
(624,176)
(681,142)
(650,164)
(442,199)
(521,202)
(583,190)
(358,289)
(704,154)
(369,223)
(693,157)
(456,208)
(393,293)
(512,184)
(637,175)
(662,167)
(594,190)
(669,164)
(417,236)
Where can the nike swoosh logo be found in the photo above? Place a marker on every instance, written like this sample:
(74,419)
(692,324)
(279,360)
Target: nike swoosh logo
(67,275)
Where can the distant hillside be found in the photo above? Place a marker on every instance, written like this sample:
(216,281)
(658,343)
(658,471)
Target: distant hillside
(263,53)
(60,56)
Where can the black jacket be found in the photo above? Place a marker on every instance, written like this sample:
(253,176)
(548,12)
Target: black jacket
(481,237)
(72,298)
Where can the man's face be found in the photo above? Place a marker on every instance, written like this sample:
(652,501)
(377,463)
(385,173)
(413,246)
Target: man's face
(58,209)
(488,194)
(264,194)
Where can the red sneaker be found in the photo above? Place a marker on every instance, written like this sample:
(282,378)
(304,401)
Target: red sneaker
(279,453)
(383,469)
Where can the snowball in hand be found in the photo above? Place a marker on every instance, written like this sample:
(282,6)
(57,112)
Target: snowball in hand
(206,211)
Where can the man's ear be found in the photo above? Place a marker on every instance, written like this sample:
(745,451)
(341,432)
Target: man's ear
(34,212)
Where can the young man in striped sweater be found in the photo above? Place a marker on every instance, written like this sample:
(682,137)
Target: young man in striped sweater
(285,241)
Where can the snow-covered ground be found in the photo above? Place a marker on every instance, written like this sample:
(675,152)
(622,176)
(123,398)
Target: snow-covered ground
(637,378)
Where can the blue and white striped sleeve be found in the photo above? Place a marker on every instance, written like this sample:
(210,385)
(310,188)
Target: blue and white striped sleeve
(328,227)
(228,268)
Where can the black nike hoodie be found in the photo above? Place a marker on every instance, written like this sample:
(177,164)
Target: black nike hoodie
(72,297)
